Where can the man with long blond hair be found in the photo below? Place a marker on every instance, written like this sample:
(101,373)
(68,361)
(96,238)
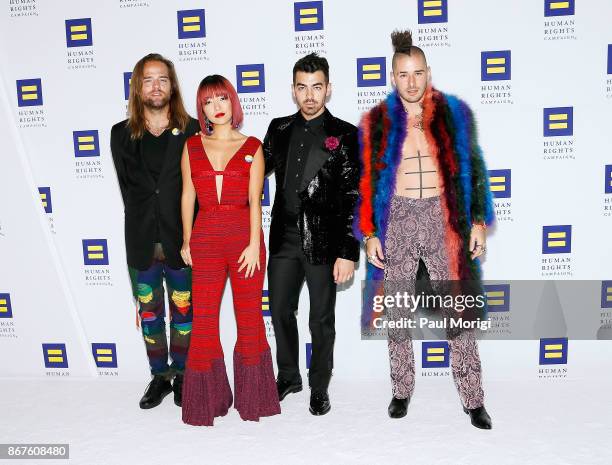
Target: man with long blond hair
(147,151)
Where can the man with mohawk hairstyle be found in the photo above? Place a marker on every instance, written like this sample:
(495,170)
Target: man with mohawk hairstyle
(424,202)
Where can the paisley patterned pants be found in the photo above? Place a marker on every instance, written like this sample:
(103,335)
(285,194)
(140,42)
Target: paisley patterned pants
(416,232)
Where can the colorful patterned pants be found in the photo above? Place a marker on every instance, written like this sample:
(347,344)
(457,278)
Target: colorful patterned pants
(148,289)
(416,232)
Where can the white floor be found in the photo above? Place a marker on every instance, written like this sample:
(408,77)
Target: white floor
(537,422)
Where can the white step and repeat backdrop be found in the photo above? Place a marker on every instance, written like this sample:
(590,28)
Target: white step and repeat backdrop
(538,74)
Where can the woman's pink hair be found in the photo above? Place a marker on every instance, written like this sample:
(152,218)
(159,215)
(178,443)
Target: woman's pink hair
(217,86)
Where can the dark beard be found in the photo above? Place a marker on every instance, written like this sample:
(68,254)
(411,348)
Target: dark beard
(156,106)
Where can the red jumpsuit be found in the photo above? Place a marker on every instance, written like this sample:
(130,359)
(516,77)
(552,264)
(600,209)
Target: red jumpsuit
(220,233)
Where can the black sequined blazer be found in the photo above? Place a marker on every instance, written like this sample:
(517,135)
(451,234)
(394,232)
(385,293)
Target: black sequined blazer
(328,192)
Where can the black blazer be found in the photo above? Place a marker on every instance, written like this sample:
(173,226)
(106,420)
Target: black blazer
(328,192)
(144,200)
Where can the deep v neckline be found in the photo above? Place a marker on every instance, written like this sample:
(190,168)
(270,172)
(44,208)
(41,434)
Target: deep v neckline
(219,192)
(228,161)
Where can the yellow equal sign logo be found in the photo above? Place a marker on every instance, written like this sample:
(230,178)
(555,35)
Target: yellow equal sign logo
(5,306)
(105,355)
(495,65)
(557,239)
(265,302)
(559,8)
(55,355)
(95,252)
(498,297)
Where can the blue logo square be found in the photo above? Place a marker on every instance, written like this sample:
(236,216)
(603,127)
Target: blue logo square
(105,354)
(127,79)
(435,354)
(371,72)
(78,32)
(308,16)
(55,355)
(608,180)
(557,239)
(265,195)
(86,143)
(553,351)
(29,92)
(498,297)
(500,182)
(433,11)
(95,252)
(558,121)
(250,78)
(191,24)
(495,65)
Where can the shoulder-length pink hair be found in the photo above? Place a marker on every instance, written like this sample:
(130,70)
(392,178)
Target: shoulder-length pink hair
(217,86)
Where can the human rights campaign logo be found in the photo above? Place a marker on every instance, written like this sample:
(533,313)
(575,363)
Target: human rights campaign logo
(191,24)
(308,354)
(371,72)
(433,11)
(105,355)
(265,195)
(435,354)
(606,294)
(498,297)
(609,58)
(45,198)
(78,32)
(265,302)
(6,311)
(127,80)
(86,143)
(495,65)
(29,92)
(500,182)
(250,78)
(55,355)
(558,121)
(557,239)
(559,8)
(608,180)
(308,16)
(95,252)
(553,351)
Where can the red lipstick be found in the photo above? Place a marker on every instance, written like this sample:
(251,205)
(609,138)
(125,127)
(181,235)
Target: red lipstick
(219,115)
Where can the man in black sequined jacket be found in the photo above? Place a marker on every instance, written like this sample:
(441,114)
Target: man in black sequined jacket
(315,159)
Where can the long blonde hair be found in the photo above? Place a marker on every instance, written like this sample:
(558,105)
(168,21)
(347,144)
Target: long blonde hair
(178,116)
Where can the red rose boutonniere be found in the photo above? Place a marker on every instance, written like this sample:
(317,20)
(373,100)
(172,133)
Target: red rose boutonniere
(332,143)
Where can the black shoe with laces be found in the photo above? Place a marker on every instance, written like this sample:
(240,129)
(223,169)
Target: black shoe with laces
(157,389)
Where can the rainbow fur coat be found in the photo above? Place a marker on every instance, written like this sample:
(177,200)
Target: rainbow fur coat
(450,131)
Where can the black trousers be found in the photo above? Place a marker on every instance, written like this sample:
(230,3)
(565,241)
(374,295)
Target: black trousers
(286,272)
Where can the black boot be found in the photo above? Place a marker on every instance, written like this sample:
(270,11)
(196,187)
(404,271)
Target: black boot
(157,389)
(479,417)
(398,407)
(319,402)
(287,387)
(177,387)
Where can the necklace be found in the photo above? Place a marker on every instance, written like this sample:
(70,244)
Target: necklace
(156,131)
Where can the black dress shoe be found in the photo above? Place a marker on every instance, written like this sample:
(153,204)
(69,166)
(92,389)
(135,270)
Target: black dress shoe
(177,387)
(287,387)
(157,389)
(398,407)
(479,417)
(319,402)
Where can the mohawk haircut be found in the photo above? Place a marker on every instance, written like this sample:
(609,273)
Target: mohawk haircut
(402,44)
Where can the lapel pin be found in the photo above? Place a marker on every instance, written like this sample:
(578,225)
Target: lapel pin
(248,158)
(175,132)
